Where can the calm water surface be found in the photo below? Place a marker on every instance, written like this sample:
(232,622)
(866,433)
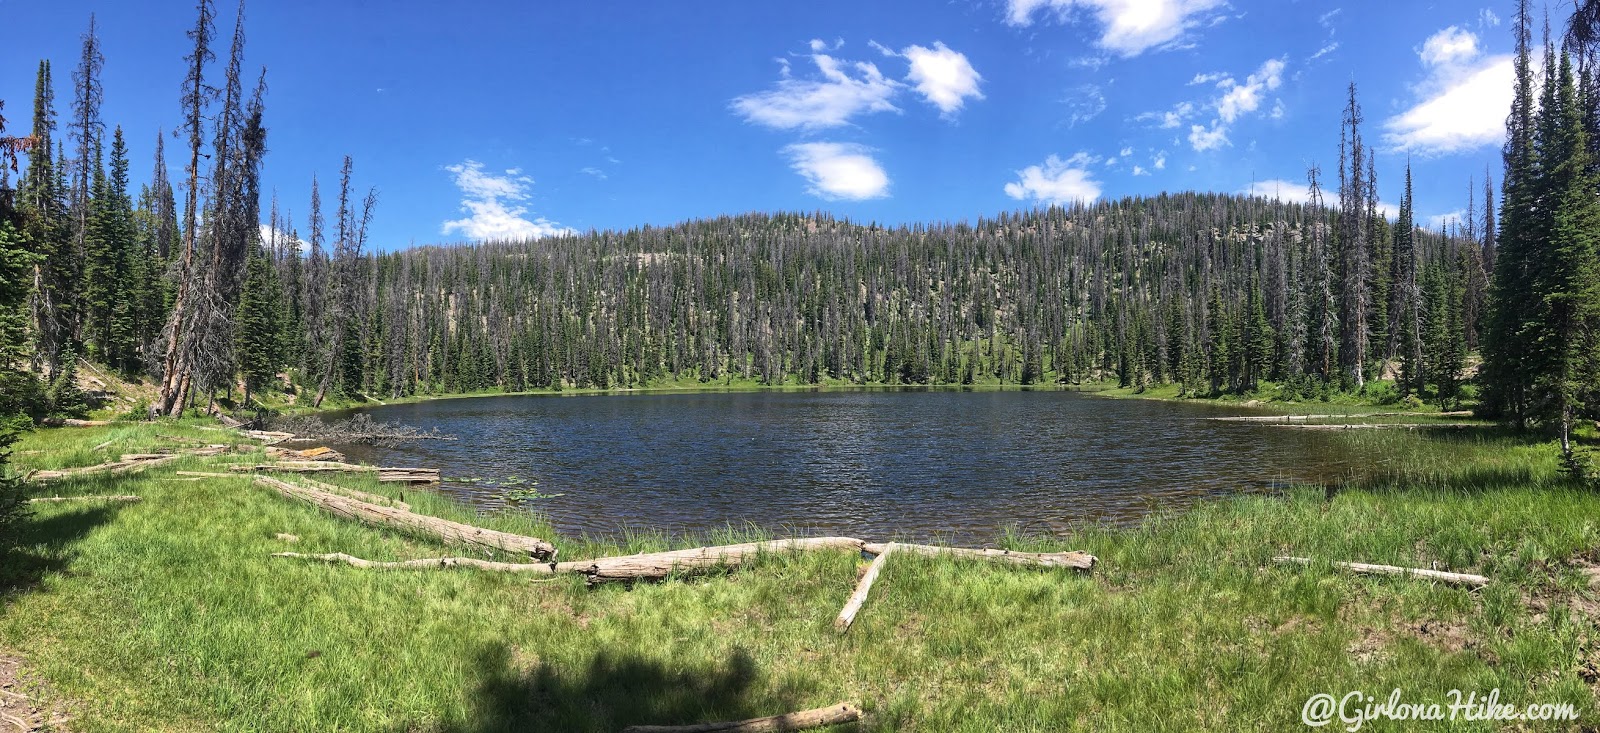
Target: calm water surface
(877,464)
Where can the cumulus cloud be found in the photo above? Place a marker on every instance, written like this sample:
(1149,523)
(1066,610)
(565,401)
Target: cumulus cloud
(271,237)
(489,200)
(1128,27)
(1461,104)
(1279,189)
(943,76)
(1160,162)
(1447,219)
(842,92)
(839,170)
(1171,118)
(1202,138)
(1238,99)
(1233,101)
(1056,181)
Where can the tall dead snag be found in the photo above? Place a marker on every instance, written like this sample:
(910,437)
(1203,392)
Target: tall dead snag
(1361,568)
(838,714)
(176,369)
(395,517)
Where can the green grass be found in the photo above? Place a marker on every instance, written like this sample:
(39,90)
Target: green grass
(170,615)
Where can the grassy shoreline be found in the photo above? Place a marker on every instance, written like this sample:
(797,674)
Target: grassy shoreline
(170,614)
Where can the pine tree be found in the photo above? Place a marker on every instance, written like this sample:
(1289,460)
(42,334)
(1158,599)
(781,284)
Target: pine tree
(1405,312)
(258,326)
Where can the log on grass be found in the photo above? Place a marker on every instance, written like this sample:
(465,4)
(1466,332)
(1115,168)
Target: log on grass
(847,616)
(56,422)
(396,517)
(130,464)
(324,454)
(1467,579)
(1075,560)
(804,720)
(623,568)
(91,497)
(270,437)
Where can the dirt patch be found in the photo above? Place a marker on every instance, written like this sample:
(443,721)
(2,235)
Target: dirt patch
(22,706)
(1450,637)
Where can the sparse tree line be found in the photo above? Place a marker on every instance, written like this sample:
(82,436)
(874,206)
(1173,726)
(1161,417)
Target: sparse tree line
(1215,293)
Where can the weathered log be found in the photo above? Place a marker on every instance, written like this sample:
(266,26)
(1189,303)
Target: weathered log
(56,422)
(1476,581)
(310,454)
(1076,560)
(356,494)
(804,720)
(92,497)
(432,563)
(389,516)
(847,616)
(393,475)
(270,437)
(127,465)
(106,444)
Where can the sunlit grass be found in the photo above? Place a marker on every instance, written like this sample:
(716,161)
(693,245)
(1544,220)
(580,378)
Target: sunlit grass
(170,614)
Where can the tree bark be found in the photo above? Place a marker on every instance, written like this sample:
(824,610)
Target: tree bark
(129,464)
(838,714)
(1476,581)
(95,497)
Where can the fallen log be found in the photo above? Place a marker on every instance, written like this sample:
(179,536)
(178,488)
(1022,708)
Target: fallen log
(129,464)
(1075,560)
(396,517)
(309,454)
(1304,418)
(1468,579)
(56,422)
(270,437)
(313,483)
(659,565)
(394,475)
(804,720)
(847,616)
(1377,426)
(92,497)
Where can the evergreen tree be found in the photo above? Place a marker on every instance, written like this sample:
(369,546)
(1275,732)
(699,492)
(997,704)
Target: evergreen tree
(257,326)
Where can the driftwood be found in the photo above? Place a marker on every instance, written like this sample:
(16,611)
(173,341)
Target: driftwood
(847,616)
(270,437)
(1379,426)
(393,516)
(93,497)
(1303,418)
(804,720)
(658,565)
(1075,560)
(395,475)
(130,463)
(309,454)
(1476,581)
(56,422)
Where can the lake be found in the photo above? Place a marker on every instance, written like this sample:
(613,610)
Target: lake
(878,464)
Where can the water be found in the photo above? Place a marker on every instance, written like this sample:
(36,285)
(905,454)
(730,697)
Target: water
(950,465)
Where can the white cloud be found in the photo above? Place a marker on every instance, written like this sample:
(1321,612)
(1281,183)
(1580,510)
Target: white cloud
(1125,152)
(1461,105)
(1084,103)
(1140,171)
(489,200)
(1203,139)
(1170,119)
(1487,18)
(1210,78)
(283,238)
(1279,189)
(1128,27)
(593,171)
(1160,162)
(1440,221)
(1448,47)
(1324,51)
(830,101)
(1238,99)
(1057,181)
(943,76)
(839,170)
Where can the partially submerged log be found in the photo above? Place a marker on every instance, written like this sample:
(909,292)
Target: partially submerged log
(396,517)
(93,497)
(394,475)
(847,616)
(1075,560)
(130,463)
(309,454)
(1467,579)
(838,714)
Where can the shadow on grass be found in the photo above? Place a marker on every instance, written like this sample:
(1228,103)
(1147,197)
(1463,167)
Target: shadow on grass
(45,546)
(614,691)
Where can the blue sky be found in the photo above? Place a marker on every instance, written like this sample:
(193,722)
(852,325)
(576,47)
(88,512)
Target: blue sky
(496,118)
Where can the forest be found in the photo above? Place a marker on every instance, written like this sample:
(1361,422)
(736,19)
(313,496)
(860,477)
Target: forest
(1217,293)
